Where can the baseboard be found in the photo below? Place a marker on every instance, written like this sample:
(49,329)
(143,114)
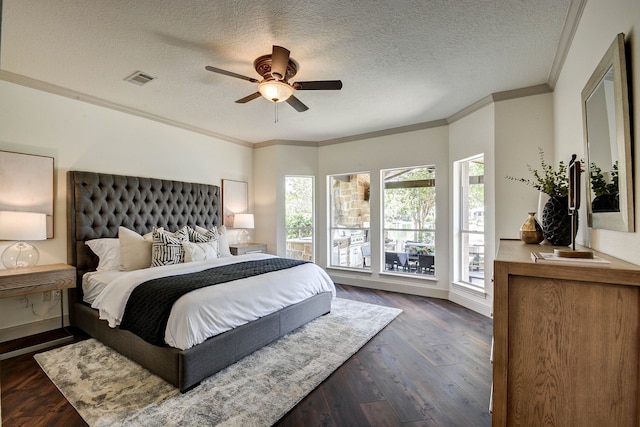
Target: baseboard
(32,328)
(470,303)
(391,284)
(421,288)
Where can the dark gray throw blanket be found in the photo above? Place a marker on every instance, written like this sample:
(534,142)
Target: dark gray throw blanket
(148,308)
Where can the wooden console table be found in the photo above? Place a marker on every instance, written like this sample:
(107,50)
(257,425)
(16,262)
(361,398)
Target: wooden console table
(33,280)
(567,341)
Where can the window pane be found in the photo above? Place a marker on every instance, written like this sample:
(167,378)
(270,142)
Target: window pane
(471,247)
(299,217)
(409,220)
(349,222)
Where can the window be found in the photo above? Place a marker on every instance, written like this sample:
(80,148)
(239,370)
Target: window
(409,218)
(349,222)
(470,247)
(299,217)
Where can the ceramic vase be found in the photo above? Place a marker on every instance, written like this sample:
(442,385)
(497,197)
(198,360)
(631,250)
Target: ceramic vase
(556,221)
(531,230)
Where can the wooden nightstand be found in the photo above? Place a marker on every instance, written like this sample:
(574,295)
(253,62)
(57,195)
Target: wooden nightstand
(33,280)
(247,248)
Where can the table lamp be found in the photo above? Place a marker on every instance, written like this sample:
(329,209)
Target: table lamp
(22,226)
(243,221)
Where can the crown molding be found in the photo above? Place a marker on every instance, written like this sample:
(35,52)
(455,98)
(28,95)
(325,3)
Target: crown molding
(68,93)
(574,14)
(273,142)
(21,80)
(499,96)
(385,132)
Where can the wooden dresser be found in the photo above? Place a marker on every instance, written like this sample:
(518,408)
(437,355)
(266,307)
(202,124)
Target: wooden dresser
(566,341)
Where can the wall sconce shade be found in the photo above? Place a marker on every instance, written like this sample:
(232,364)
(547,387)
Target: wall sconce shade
(22,226)
(243,221)
(275,91)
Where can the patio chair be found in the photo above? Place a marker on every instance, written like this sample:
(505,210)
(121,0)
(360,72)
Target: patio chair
(426,264)
(391,261)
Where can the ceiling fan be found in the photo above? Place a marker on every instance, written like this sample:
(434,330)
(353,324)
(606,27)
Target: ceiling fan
(276,69)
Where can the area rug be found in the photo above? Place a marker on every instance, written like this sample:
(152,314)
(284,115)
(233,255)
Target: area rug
(108,389)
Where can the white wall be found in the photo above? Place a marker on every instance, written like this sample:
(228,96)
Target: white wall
(83,136)
(521,127)
(601,21)
(272,165)
(468,137)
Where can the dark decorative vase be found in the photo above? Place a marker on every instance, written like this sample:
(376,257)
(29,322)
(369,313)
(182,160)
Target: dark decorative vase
(556,221)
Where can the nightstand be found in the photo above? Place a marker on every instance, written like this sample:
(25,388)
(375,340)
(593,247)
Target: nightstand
(247,248)
(33,280)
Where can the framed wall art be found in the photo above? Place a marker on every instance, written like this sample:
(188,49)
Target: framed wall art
(26,184)
(235,199)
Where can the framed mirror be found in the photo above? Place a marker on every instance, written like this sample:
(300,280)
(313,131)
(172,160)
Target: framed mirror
(606,121)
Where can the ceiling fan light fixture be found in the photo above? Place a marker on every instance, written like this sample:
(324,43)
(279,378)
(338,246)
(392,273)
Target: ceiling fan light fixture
(275,91)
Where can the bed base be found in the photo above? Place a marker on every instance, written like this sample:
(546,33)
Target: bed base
(185,369)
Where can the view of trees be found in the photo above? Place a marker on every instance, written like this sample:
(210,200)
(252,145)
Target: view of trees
(409,203)
(299,206)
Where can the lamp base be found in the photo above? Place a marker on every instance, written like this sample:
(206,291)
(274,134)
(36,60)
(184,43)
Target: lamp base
(244,236)
(20,255)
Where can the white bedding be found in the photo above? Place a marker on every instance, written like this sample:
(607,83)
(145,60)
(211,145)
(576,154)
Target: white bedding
(209,311)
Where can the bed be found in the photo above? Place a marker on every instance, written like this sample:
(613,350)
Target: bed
(98,205)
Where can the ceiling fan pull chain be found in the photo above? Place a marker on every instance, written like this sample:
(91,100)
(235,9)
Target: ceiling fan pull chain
(276,112)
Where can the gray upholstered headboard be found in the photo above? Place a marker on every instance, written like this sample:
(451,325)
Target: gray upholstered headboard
(98,203)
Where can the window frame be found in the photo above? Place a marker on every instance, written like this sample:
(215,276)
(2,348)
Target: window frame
(385,185)
(462,259)
(354,259)
(312,228)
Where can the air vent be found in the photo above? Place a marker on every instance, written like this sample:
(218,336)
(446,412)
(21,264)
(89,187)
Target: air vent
(139,78)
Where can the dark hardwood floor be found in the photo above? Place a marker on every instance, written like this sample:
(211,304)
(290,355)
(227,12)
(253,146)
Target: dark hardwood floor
(429,367)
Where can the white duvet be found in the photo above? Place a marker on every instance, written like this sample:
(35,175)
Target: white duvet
(209,311)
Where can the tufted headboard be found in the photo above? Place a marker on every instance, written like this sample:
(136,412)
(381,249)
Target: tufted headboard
(98,203)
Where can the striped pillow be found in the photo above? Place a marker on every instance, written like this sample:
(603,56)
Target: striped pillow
(197,237)
(167,247)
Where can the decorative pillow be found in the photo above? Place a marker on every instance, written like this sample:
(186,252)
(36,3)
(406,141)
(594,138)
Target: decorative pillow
(108,252)
(135,250)
(200,251)
(223,241)
(167,247)
(197,237)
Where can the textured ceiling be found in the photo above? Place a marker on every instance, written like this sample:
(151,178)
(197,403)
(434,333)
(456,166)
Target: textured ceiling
(402,62)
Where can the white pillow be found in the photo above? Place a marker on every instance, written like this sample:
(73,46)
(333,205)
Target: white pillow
(200,251)
(108,252)
(135,250)
(167,247)
(223,241)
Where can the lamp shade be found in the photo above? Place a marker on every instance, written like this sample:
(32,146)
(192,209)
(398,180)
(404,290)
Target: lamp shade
(243,221)
(275,90)
(23,226)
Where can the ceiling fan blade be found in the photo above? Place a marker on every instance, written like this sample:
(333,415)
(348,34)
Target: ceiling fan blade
(297,104)
(248,98)
(319,85)
(230,74)
(279,61)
